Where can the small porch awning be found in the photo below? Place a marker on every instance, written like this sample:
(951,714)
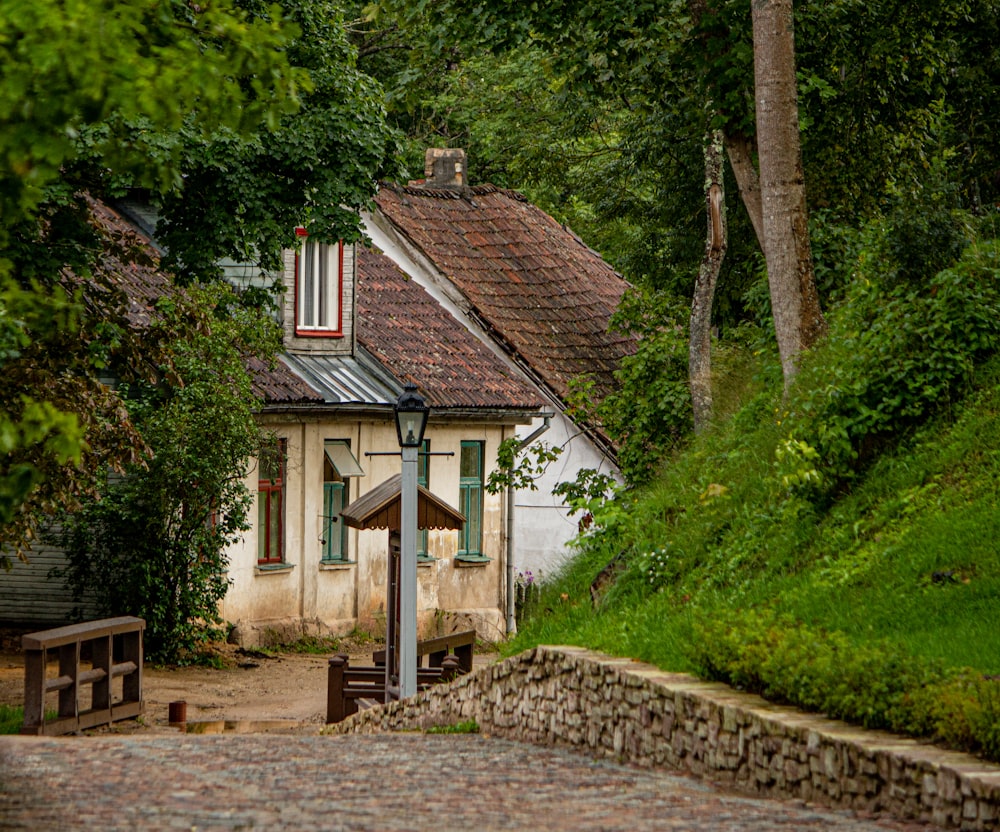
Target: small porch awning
(380,509)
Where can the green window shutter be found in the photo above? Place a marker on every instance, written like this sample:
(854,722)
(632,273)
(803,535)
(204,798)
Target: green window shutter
(334,529)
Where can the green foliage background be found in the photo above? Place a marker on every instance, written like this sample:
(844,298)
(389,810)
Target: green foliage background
(239,120)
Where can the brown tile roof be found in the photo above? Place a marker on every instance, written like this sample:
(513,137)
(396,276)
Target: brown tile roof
(546,296)
(409,332)
(277,384)
(129,267)
(403,328)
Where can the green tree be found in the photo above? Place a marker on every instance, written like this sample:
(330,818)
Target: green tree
(315,167)
(75,80)
(241,121)
(154,544)
(880,95)
(113,73)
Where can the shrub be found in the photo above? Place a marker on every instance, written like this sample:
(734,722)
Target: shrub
(892,358)
(155,544)
(650,411)
(876,685)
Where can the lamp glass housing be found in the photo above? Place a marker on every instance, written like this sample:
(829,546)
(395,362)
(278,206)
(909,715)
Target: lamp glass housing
(411,413)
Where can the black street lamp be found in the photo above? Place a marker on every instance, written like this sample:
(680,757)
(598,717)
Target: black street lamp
(411,417)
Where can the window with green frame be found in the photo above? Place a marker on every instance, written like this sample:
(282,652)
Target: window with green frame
(335,498)
(339,465)
(423,479)
(470,501)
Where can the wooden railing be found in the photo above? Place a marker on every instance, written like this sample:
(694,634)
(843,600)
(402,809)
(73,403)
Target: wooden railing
(348,686)
(447,657)
(91,656)
(435,650)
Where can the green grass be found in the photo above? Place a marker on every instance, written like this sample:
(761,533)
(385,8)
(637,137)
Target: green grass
(469,727)
(11,719)
(897,567)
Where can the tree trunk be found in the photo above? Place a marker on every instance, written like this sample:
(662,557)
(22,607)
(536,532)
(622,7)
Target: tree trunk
(700,344)
(740,152)
(798,320)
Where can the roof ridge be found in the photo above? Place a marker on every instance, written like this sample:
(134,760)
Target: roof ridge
(416,188)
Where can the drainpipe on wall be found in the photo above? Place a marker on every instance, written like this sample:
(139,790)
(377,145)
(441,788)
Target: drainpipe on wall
(511,576)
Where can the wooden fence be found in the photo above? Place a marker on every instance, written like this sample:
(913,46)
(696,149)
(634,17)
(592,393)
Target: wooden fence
(91,656)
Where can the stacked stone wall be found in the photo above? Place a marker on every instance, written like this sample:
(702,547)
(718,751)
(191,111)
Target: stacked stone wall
(638,714)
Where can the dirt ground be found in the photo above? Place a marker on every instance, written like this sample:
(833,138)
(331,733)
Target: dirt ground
(256,691)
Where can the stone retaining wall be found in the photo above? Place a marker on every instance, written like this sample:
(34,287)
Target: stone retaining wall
(639,714)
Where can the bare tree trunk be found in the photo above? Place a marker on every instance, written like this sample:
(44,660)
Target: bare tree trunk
(740,152)
(798,320)
(700,344)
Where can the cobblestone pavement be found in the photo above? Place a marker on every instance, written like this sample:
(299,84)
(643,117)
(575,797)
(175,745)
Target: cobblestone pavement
(386,782)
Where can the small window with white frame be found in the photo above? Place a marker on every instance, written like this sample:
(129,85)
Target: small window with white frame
(319,287)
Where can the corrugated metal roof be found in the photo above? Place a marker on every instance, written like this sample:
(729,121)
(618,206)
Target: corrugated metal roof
(343,379)
(277,384)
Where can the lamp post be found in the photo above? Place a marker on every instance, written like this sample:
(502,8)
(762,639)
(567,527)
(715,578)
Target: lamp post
(411,419)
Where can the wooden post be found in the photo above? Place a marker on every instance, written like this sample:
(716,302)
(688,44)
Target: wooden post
(337,669)
(102,659)
(69,666)
(392,617)
(451,667)
(464,654)
(132,652)
(34,691)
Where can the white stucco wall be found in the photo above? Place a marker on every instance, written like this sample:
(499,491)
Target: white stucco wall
(543,528)
(309,596)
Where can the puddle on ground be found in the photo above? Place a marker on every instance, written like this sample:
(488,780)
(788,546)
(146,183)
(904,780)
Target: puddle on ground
(239,726)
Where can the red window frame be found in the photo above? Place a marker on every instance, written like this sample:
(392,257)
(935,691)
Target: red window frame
(336,331)
(271,507)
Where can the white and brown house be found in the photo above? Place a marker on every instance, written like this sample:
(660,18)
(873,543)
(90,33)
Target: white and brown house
(490,308)
(353,337)
(536,295)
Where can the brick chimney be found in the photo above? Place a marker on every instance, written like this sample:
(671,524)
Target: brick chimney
(444,167)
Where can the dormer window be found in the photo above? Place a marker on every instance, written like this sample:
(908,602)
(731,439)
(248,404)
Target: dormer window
(319,288)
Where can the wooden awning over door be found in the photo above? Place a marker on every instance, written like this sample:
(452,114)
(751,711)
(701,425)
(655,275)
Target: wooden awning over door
(380,508)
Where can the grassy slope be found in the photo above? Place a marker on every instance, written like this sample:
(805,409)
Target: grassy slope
(910,554)
(838,547)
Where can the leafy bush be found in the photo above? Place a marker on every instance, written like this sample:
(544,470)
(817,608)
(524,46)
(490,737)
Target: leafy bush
(155,544)
(876,684)
(650,411)
(924,233)
(892,358)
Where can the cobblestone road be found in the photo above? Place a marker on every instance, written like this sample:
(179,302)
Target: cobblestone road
(351,783)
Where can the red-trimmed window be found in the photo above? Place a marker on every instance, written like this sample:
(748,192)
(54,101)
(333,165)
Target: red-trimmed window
(319,288)
(271,503)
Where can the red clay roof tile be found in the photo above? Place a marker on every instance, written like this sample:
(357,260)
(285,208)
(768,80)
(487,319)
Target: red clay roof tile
(419,341)
(547,295)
